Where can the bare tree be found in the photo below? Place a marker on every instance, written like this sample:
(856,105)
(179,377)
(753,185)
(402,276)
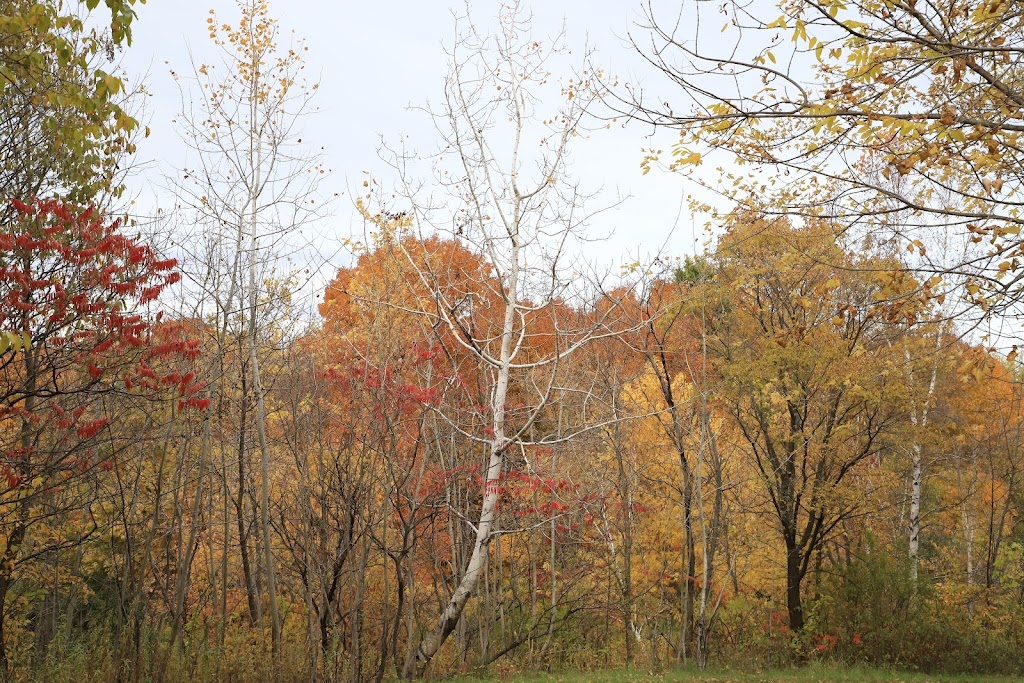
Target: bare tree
(251,186)
(501,187)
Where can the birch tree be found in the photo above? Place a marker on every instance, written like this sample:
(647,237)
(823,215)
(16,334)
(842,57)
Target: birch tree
(501,186)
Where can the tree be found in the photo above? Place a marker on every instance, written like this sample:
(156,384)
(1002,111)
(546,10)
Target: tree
(820,107)
(678,315)
(63,125)
(367,455)
(677,425)
(517,209)
(252,187)
(76,294)
(807,364)
(928,364)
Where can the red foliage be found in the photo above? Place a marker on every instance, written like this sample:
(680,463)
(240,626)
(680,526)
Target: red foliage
(75,285)
(825,642)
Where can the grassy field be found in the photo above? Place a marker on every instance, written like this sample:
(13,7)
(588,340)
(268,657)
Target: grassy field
(812,674)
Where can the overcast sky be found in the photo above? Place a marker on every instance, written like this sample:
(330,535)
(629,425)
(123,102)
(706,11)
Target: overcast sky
(375,59)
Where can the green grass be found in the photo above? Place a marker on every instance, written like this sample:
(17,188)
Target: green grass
(810,674)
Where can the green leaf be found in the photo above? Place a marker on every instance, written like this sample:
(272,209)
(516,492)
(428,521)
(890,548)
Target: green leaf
(13,341)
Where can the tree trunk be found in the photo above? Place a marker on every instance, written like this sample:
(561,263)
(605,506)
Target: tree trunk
(710,532)
(5,665)
(917,471)
(916,477)
(10,554)
(268,550)
(252,595)
(433,640)
(794,604)
(185,563)
(449,618)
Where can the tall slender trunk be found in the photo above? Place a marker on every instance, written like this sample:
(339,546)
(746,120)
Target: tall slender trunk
(389,640)
(710,532)
(140,598)
(256,155)
(226,535)
(689,550)
(707,455)
(625,493)
(251,593)
(549,636)
(184,569)
(916,478)
(498,442)
(627,584)
(5,664)
(920,421)
(552,557)
(688,567)
(410,619)
(691,564)
(432,641)
(261,433)
(359,615)
(20,525)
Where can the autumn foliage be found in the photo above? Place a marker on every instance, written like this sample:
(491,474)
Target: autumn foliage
(481,454)
(75,296)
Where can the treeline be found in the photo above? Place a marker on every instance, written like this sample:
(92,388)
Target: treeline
(481,453)
(782,455)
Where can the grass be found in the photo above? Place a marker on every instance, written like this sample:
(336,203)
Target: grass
(810,674)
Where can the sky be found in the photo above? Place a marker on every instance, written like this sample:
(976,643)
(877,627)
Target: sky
(374,61)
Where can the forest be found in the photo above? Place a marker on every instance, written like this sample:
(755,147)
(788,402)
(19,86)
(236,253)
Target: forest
(486,451)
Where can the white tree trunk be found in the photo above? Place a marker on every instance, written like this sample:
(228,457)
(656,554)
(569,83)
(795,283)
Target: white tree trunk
(431,643)
(920,422)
